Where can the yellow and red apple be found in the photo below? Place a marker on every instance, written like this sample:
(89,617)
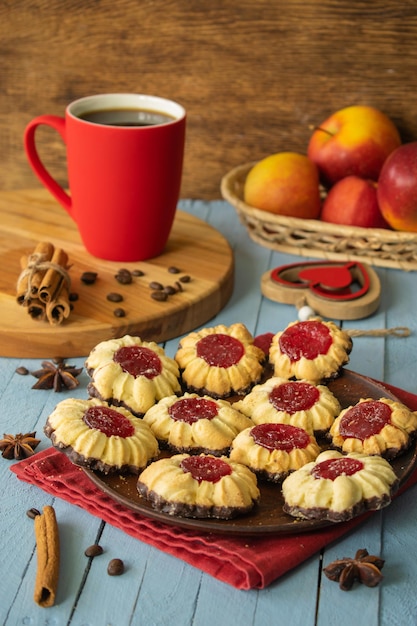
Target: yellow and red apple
(355,140)
(397,188)
(285,183)
(353,201)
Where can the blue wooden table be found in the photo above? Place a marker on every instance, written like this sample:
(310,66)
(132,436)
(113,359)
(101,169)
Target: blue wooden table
(158,589)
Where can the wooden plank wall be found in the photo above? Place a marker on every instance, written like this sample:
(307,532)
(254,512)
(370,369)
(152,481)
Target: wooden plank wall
(253,75)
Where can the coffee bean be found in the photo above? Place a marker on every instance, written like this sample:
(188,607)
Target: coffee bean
(155,285)
(138,273)
(94,550)
(115,567)
(179,286)
(161,296)
(119,312)
(32,513)
(185,279)
(173,270)
(124,277)
(114,297)
(89,278)
(73,297)
(22,371)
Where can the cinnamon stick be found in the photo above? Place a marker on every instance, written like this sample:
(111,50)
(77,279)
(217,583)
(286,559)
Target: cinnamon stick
(59,308)
(54,276)
(47,548)
(36,309)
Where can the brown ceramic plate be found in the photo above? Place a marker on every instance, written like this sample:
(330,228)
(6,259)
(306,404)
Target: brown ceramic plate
(268,516)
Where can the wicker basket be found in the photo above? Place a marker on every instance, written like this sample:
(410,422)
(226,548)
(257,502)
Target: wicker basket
(313,238)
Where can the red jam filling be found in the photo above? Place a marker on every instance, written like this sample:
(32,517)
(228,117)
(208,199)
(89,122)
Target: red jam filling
(191,410)
(305,339)
(365,419)
(280,437)
(206,468)
(220,350)
(332,468)
(138,361)
(293,396)
(263,342)
(108,421)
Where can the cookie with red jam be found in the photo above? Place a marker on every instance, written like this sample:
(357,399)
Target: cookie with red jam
(196,424)
(337,487)
(97,436)
(383,426)
(221,361)
(132,373)
(299,403)
(200,486)
(273,451)
(312,350)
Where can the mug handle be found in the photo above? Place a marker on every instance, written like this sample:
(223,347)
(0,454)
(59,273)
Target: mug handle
(58,124)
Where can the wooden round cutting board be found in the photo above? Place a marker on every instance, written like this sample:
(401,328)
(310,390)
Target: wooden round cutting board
(194,247)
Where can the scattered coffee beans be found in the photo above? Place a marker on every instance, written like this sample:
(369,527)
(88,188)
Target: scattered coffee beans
(22,371)
(124,276)
(32,513)
(115,567)
(94,550)
(89,278)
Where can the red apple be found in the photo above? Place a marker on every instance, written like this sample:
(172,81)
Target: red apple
(397,188)
(355,140)
(286,183)
(353,201)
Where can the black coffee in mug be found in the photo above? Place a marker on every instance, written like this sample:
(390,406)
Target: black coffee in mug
(126,117)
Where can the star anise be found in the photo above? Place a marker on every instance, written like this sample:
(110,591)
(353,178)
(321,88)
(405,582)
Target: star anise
(57,376)
(18,446)
(365,568)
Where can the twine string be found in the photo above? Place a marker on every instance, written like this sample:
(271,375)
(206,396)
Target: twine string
(396,331)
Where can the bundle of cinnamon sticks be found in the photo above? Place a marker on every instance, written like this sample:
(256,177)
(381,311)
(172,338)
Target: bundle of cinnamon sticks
(44,284)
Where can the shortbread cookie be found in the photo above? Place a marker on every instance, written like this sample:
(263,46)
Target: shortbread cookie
(299,403)
(202,486)
(196,424)
(313,350)
(220,361)
(382,427)
(337,487)
(273,451)
(94,435)
(132,373)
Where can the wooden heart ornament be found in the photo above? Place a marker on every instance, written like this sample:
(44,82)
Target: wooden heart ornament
(336,290)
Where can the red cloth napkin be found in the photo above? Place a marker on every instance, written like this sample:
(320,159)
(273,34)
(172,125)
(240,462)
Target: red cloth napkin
(243,562)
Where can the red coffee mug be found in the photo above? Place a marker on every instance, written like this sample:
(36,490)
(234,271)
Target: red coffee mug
(124,160)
